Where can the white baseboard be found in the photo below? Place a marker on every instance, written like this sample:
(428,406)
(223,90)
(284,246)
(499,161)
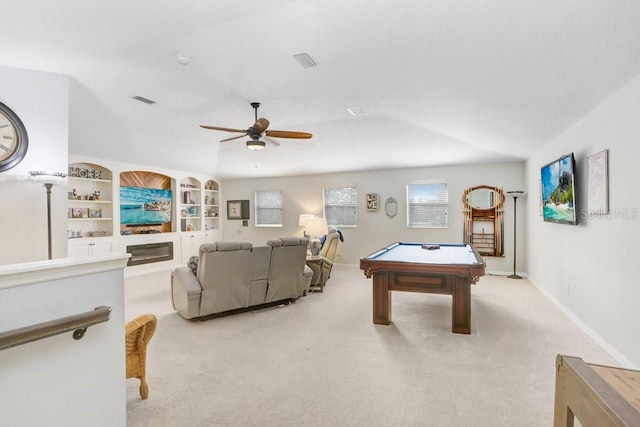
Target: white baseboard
(626,363)
(138,270)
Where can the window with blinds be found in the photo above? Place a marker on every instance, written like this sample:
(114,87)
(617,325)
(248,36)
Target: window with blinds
(340,206)
(269,208)
(427,204)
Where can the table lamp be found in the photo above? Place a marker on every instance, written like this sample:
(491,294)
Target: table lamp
(302,219)
(315,228)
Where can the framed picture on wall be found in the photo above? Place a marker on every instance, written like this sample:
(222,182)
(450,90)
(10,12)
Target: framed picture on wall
(598,183)
(372,202)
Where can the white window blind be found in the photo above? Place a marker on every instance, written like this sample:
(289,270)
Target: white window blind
(269,208)
(340,206)
(427,204)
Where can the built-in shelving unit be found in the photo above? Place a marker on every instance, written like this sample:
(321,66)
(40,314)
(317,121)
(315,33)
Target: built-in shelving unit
(190,204)
(211,207)
(90,210)
(97,225)
(90,204)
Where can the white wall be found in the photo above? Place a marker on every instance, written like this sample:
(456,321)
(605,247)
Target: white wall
(303,194)
(591,269)
(59,381)
(41,100)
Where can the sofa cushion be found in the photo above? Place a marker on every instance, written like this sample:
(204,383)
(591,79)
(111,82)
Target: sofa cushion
(288,241)
(224,246)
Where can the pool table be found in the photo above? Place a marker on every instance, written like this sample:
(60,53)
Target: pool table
(430,268)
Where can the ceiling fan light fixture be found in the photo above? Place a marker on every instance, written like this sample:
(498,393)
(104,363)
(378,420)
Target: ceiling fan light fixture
(255,145)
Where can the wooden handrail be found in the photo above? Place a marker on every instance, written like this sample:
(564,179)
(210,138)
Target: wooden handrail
(77,323)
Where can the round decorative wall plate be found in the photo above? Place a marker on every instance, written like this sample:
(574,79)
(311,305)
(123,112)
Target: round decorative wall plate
(391,207)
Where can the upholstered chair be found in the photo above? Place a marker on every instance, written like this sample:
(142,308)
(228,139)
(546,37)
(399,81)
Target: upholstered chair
(328,252)
(138,333)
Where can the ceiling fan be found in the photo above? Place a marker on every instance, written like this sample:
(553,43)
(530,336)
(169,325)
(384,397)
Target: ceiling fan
(259,130)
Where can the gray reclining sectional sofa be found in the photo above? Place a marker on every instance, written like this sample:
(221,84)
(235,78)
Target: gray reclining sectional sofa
(237,275)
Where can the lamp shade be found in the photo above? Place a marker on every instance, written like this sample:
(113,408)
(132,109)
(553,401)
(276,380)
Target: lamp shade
(316,227)
(47,176)
(517,193)
(302,220)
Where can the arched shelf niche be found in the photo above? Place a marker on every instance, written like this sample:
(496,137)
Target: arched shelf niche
(484,219)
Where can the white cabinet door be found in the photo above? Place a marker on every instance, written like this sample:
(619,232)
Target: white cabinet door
(88,247)
(190,245)
(77,249)
(212,236)
(102,247)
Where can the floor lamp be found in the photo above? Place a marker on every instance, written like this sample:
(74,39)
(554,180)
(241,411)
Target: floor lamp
(515,195)
(48,179)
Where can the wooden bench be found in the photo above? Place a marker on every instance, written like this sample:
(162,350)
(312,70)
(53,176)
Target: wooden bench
(597,395)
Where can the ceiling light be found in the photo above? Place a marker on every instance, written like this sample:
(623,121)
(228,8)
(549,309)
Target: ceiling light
(184,59)
(305,60)
(255,145)
(355,111)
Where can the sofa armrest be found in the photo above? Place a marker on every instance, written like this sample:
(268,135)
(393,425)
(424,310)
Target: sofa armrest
(185,292)
(327,263)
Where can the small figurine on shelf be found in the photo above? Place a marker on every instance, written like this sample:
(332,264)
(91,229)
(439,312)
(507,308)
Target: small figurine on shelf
(189,227)
(75,194)
(206,199)
(96,195)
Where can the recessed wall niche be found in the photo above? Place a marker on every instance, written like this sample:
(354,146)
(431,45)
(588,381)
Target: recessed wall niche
(146,203)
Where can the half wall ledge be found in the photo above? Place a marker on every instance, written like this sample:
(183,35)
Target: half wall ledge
(27,273)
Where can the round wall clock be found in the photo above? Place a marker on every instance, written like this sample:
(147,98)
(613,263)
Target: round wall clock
(13,139)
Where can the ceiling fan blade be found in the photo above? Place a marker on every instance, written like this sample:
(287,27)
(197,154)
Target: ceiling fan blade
(271,141)
(234,137)
(223,129)
(288,134)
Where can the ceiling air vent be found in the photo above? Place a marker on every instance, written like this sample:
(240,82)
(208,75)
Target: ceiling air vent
(355,111)
(305,60)
(143,99)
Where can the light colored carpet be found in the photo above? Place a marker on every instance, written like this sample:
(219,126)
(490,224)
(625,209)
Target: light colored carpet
(322,362)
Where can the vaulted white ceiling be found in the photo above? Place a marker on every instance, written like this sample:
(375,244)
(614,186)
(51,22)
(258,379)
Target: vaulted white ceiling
(440,81)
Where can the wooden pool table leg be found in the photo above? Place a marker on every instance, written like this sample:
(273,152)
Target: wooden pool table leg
(381,299)
(461,305)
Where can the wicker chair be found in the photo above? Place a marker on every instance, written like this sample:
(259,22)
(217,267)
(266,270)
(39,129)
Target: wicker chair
(138,333)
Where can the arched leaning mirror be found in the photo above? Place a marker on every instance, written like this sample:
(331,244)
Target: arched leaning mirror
(483,219)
